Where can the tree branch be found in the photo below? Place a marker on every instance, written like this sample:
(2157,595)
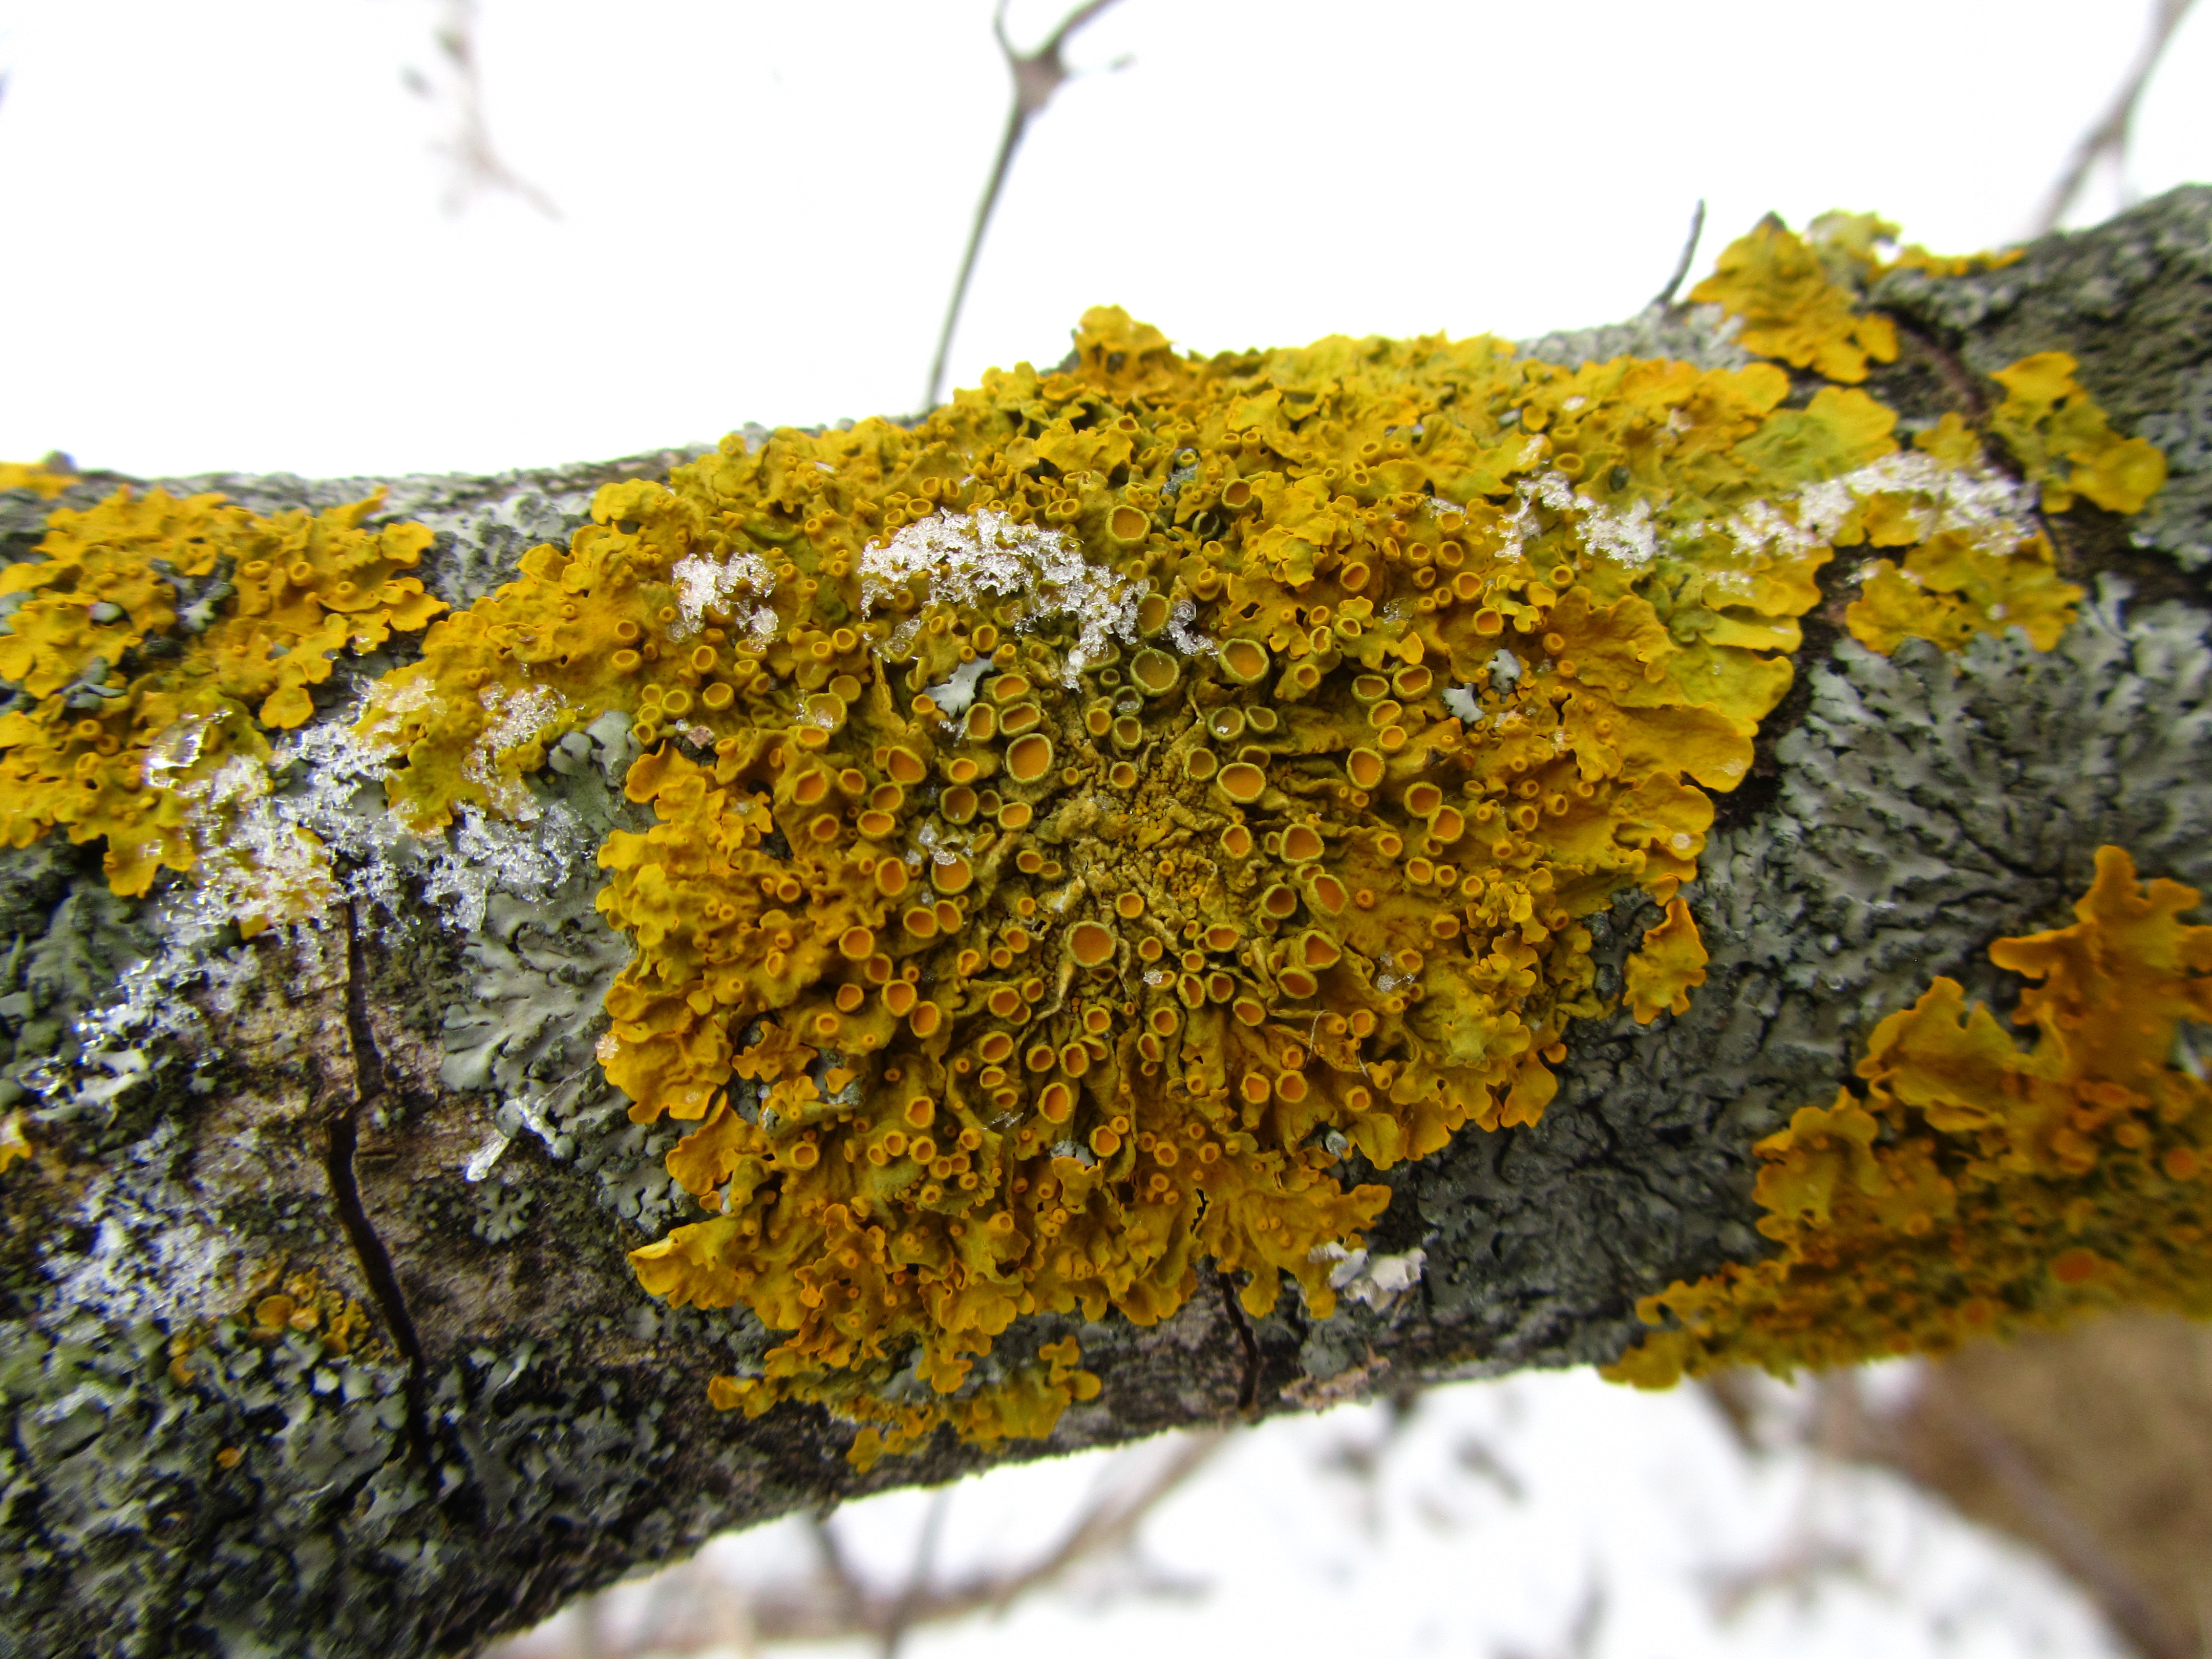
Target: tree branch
(415,1465)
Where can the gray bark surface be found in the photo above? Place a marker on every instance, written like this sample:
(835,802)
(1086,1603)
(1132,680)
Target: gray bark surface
(519,1423)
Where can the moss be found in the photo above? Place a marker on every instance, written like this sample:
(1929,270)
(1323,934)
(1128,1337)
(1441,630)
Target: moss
(1975,1188)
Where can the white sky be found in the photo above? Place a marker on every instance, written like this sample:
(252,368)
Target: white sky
(231,247)
(1500,1515)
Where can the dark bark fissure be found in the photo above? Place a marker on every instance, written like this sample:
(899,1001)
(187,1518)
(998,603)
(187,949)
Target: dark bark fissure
(1248,1388)
(369,1248)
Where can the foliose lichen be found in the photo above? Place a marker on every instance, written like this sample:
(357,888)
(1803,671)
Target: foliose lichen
(1971,1188)
(1090,818)
(132,699)
(1096,826)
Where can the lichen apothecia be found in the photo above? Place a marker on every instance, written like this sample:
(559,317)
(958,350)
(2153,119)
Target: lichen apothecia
(1092,819)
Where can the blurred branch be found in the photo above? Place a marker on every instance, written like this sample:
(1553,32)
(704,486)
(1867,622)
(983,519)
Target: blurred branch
(2073,1546)
(1037,77)
(915,1595)
(1579,1639)
(693,1608)
(1666,296)
(476,161)
(2107,141)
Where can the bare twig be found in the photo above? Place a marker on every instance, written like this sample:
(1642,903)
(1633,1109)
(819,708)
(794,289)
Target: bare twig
(915,1595)
(2107,141)
(476,161)
(1798,1569)
(2076,1548)
(1579,1639)
(1666,296)
(1037,77)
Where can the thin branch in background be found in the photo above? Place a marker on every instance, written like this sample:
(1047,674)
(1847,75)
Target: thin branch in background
(1037,77)
(691,1610)
(841,1584)
(1666,296)
(1579,1639)
(1475,1456)
(2106,143)
(915,1595)
(478,164)
(1797,1570)
(2073,1546)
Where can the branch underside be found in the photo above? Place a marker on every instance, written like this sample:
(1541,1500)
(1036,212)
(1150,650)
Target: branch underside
(331,1118)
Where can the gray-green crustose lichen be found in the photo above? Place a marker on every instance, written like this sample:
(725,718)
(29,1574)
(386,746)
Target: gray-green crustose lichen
(1927,806)
(2132,301)
(2179,520)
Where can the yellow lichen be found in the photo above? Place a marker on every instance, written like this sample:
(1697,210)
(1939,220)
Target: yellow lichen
(2065,443)
(128,711)
(1090,815)
(1974,1188)
(1952,587)
(1671,964)
(1786,290)
(15,1140)
(36,477)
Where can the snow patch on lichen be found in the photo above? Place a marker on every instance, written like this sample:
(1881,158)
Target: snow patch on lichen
(961,556)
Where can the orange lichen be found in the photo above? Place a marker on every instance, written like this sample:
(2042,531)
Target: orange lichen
(279,1304)
(1790,300)
(36,477)
(133,708)
(1962,582)
(1088,817)
(1974,1188)
(2064,441)
(1956,585)
(1672,962)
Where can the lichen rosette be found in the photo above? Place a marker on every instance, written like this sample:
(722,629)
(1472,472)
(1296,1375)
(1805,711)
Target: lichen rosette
(1099,825)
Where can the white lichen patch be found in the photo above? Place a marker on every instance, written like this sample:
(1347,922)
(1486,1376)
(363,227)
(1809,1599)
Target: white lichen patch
(1376,1280)
(148,1252)
(962,557)
(478,1163)
(954,695)
(1932,496)
(285,846)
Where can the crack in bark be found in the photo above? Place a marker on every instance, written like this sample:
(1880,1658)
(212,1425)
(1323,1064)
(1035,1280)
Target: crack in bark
(368,1247)
(1248,1390)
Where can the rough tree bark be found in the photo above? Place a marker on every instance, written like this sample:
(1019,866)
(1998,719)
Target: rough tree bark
(516,1422)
